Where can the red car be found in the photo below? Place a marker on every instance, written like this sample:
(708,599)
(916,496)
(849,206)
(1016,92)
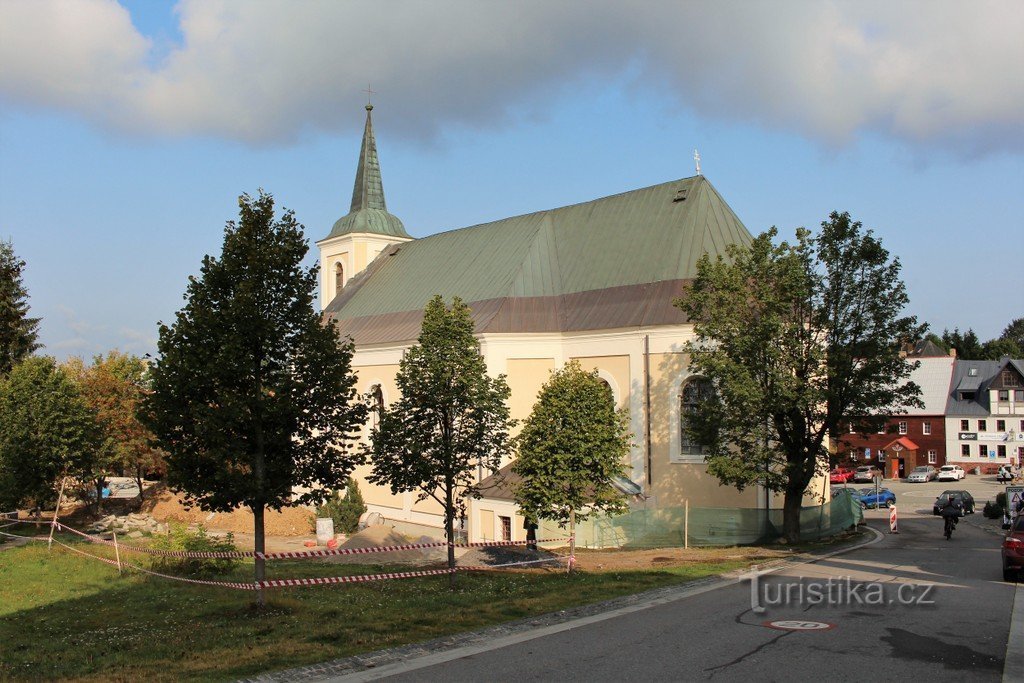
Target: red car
(840,475)
(1013,549)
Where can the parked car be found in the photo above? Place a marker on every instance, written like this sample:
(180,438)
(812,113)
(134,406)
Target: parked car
(966,501)
(1005,474)
(870,499)
(1013,550)
(840,475)
(844,491)
(951,473)
(866,473)
(922,473)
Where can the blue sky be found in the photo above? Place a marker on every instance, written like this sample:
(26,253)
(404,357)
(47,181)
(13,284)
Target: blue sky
(127,131)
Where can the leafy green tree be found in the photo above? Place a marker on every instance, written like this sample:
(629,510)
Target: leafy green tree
(253,396)
(18,332)
(796,339)
(994,349)
(1014,332)
(46,431)
(451,419)
(113,386)
(572,446)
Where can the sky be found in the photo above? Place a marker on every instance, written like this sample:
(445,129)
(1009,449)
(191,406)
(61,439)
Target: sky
(128,130)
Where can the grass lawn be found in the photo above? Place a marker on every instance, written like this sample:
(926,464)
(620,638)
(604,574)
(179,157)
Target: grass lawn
(66,616)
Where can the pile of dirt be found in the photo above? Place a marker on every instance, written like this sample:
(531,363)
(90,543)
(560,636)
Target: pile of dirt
(166,506)
(383,535)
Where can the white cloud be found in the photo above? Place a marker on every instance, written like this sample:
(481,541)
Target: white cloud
(929,73)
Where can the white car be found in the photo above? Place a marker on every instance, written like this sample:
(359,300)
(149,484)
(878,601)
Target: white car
(922,473)
(951,473)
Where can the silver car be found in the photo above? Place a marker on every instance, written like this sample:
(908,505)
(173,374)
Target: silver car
(922,474)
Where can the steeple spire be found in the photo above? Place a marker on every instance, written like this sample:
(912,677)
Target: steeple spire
(368,192)
(368,212)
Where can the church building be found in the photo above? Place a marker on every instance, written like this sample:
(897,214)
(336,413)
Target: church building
(592,282)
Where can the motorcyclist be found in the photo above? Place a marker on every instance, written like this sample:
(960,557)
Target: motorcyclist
(951,512)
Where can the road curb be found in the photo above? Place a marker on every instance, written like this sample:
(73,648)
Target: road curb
(1013,665)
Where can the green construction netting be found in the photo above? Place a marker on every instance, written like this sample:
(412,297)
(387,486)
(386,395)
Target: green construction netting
(668,527)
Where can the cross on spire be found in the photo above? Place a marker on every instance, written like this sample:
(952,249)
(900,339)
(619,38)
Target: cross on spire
(369,94)
(696,160)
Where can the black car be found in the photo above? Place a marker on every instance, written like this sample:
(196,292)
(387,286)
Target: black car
(966,501)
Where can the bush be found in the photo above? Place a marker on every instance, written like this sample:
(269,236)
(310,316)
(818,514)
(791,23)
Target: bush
(993,511)
(344,511)
(180,537)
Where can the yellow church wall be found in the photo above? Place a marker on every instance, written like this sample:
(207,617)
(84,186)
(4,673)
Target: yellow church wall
(525,378)
(615,371)
(673,481)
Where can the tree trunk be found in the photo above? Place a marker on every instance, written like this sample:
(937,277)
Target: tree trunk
(260,543)
(138,482)
(449,532)
(572,540)
(98,483)
(791,515)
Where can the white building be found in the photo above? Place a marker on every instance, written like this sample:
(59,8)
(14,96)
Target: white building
(985,413)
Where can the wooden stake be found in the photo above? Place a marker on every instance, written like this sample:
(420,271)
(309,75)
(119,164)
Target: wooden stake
(56,512)
(117,553)
(686,525)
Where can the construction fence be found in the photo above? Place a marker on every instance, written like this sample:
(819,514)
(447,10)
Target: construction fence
(695,526)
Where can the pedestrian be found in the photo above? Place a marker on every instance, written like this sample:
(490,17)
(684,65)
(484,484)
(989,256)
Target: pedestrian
(531,532)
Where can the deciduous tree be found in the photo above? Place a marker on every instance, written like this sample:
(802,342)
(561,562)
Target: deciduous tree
(253,396)
(796,339)
(572,447)
(450,421)
(113,386)
(46,430)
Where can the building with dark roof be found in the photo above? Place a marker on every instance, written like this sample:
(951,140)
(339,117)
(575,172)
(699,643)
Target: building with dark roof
(592,282)
(985,413)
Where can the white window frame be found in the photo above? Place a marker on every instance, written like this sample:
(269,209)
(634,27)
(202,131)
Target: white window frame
(933,456)
(903,427)
(926,427)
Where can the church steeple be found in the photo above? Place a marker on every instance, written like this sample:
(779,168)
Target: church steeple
(368,192)
(359,236)
(368,212)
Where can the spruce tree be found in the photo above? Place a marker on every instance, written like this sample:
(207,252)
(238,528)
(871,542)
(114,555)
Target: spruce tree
(18,332)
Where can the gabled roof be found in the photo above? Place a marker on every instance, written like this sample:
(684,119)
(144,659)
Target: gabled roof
(368,212)
(609,263)
(933,375)
(903,442)
(976,376)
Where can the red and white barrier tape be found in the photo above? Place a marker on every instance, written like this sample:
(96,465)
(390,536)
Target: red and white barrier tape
(236,554)
(324,580)
(31,538)
(203,582)
(298,554)
(288,555)
(485,567)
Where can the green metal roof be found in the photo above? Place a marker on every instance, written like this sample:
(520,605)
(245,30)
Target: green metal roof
(651,235)
(368,212)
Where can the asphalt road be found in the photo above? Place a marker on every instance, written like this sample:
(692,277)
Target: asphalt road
(911,606)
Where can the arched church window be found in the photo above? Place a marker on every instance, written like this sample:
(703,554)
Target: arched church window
(695,392)
(339,277)
(608,389)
